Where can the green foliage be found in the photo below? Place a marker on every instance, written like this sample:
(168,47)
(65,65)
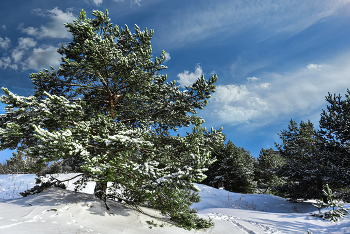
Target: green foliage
(337,210)
(41,187)
(318,157)
(233,169)
(269,161)
(304,170)
(108,112)
(152,224)
(189,220)
(19,163)
(334,129)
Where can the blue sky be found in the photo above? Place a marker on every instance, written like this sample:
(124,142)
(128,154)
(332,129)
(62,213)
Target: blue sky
(276,60)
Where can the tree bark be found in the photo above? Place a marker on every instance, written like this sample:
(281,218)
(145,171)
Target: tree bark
(100,192)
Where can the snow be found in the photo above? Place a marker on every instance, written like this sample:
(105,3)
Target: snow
(64,211)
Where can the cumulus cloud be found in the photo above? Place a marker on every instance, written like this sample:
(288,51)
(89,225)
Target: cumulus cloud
(167,57)
(24,43)
(230,93)
(54,28)
(44,56)
(5,62)
(5,42)
(3,26)
(17,55)
(187,78)
(234,104)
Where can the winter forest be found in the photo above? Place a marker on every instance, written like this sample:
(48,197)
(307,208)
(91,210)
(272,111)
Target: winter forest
(110,116)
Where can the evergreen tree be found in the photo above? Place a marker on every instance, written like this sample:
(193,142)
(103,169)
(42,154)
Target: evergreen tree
(108,108)
(303,170)
(269,161)
(335,130)
(19,163)
(335,121)
(233,169)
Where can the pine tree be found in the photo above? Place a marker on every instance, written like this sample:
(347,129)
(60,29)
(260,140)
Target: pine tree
(335,130)
(318,157)
(109,108)
(304,170)
(19,163)
(233,169)
(269,161)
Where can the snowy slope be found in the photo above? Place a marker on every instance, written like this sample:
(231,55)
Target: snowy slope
(64,211)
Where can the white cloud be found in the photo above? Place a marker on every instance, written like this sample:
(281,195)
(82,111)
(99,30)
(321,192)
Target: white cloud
(53,29)
(230,93)
(233,114)
(17,55)
(5,42)
(234,104)
(314,66)
(186,78)
(264,85)
(233,17)
(167,57)
(42,57)
(97,2)
(296,93)
(5,62)
(3,26)
(26,56)
(137,2)
(252,78)
(26,42)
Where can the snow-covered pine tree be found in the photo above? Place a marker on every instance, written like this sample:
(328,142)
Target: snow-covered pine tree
(108,106)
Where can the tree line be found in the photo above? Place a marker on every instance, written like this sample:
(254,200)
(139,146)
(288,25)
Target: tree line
(306,161)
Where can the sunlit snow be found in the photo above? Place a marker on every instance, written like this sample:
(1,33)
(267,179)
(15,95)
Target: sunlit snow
(64,211)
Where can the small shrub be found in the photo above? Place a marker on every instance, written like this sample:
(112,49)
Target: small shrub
(337,210)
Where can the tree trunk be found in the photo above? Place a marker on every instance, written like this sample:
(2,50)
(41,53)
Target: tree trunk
(100,192)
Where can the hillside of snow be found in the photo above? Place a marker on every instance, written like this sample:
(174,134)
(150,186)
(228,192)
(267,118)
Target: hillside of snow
(63,211)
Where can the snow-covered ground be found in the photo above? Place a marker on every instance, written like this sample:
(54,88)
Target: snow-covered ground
(64,211)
